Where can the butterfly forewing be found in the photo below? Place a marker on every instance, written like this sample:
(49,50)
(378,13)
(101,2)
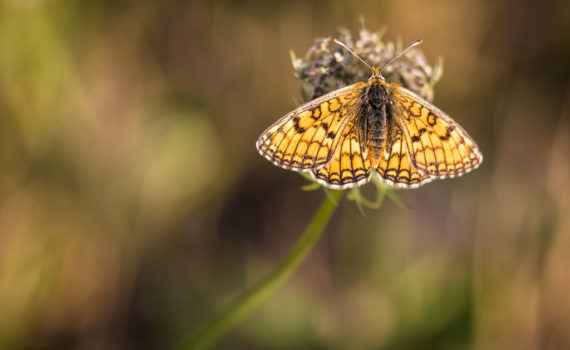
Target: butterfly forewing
(307,137)
(437,145)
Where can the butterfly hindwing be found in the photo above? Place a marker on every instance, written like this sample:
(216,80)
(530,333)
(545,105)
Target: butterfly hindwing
(394,167)
(350,165)
(307,137)
(438,146)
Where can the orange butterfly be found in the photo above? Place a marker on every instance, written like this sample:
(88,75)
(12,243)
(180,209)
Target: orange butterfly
(341,137)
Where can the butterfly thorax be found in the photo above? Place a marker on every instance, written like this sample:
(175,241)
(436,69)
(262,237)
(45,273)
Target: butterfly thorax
(376,111)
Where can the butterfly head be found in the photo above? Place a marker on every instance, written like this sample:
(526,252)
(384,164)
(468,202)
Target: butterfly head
(376,74)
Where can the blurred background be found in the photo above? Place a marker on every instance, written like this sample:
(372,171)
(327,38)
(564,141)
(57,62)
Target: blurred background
(134,206)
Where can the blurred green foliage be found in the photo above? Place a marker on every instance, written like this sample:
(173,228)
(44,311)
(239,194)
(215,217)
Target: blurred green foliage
(133,205)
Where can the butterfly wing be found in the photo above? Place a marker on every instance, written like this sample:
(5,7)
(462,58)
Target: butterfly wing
(437,145)
(307,137)
(350,165)
(394,167)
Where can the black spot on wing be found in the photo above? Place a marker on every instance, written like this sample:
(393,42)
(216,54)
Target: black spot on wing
(447,133)
(296,125)
(431,119)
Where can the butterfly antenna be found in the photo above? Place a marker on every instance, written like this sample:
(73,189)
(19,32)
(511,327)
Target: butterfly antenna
(400,54)
(355,55)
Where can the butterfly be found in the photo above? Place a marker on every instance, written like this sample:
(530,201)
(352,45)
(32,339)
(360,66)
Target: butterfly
(344,137)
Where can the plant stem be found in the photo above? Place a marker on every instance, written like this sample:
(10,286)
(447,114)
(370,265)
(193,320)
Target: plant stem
(208,334)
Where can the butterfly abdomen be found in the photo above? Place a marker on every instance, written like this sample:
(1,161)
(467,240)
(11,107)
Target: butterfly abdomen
(376,108)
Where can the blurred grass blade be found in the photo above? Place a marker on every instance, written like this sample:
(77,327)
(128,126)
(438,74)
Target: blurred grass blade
(207,335)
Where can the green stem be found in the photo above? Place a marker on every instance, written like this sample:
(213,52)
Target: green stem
(208,334)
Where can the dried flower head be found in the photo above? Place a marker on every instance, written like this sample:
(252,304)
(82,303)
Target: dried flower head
(327,66)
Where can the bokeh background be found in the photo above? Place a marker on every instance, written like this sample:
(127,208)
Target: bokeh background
(134,206)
